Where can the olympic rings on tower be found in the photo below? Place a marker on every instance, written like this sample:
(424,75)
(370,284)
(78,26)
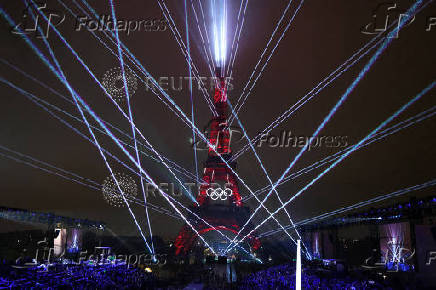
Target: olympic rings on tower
(219,193)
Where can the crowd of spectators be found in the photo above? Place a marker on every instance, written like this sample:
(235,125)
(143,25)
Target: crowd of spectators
(76,277)
(283,277)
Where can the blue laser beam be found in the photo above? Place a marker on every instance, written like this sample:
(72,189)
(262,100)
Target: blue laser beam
(208,60)
(190,91)
(219,31)
(269,180)
(387,132)
(184,51)
(78,179)
(113,137)
(116,104)
(384,123)
(179,169)
(264,51)
(236,34)
(126,90)
(73,94)
(355,206)
(92,113)
(360,76)
(269,57)
(318,88)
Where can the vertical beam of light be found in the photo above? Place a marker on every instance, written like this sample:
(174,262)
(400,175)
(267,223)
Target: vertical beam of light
(103,125)
(64,80)
(224,35)
(190,91)
(185,118)
(267,176)
(219,28)
(204,139)
(387,132)
(362,73)
(298,267)
(335,74)
(269,57)
(149,77)
(126,90)
(383,124)
(96,118)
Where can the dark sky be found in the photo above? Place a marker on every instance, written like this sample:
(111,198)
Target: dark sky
(323,35)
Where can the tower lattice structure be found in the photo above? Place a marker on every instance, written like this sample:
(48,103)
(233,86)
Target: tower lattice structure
(219,201)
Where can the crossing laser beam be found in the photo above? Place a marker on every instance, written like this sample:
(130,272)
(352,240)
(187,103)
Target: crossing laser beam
(384,123)
(356,81)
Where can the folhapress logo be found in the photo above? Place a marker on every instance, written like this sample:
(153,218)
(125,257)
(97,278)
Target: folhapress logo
(384,16)
(388,15)
(32,19)
(430,258)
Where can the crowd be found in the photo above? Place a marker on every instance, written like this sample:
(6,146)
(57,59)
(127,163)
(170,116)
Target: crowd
(76,277)
(283,277)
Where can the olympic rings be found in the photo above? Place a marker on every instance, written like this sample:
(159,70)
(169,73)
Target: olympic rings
(219,193)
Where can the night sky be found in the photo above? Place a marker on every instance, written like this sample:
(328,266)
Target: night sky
(323,35)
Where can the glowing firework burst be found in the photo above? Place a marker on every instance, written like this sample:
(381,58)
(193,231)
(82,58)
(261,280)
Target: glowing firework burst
(111,192)
(114,83)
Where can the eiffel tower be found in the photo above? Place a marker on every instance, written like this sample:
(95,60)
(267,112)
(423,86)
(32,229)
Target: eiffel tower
(219,201)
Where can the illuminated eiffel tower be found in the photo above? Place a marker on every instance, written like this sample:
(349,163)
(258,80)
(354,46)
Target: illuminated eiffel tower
(219,201)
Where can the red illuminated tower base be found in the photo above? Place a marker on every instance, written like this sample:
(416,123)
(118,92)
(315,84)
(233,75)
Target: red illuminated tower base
(219,200)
